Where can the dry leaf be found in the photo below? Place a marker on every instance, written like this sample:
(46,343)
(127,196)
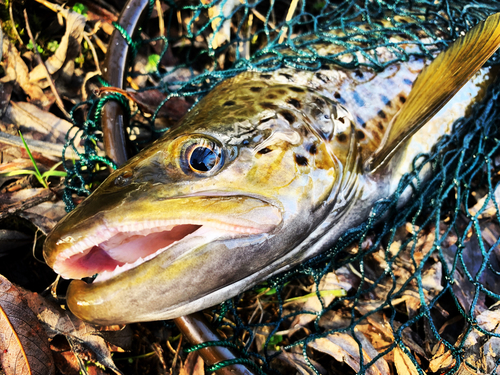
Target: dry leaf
(193,365)
(404,365)
(24,345)
(16,70)
(344,348)
(442,359)
(68,49)
(298,362)
(490,209)
(329,282)
(28,116)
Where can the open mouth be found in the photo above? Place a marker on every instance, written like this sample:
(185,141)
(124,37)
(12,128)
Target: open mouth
(110,251)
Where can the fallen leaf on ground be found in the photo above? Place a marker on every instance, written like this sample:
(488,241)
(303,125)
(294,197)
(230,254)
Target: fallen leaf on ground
(24,345)
(404,365)
(193,365)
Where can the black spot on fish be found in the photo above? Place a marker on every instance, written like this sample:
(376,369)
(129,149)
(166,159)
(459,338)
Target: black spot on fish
(402,99)
(281,91)
(358,99)
(294,102)
(313,149)
(358,73)
(316,112)
(265,120)
(255,89)
(360,134)
(287,76)
(304,131)
(297,89)
(264,150)
(267,105)
(341,137)
(270,96)
(380,126)
(229,103)
(386,100)
(381,114)
(302,161)
(266,76)
(321,77)
(408,82)
(288,116)
(336,95)
(320,102)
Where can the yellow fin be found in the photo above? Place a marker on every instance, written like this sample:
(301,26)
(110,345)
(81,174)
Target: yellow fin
(437,84)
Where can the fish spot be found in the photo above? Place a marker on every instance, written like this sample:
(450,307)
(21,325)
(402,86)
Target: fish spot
(297,89)
(360,134)
(282,92)
(264,150)
(402,99)
(288,116)
(266,76)
(336,95)
(229,103)
(341,137)
(361,122)
(255,89)
(386,100)
(294,102)
(287,76)
(267,105)
(380,126)
(304,131)
(301,160)
(313,149)
(381,114)
(245,142)
(321,77)
(358,73)
(270,96)
(408,81)
(265,120)
(320,102)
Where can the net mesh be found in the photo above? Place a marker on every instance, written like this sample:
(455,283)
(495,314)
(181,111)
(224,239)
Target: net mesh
(417,290)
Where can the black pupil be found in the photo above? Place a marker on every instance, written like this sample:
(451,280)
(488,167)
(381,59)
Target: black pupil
(203,159)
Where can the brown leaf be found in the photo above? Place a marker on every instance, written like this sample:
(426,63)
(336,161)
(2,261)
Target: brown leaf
(193,365)
(24,345)
(404,365)
(442,359)
(344,348)
(68,49)
(298,362)
(27,116)
(16,70)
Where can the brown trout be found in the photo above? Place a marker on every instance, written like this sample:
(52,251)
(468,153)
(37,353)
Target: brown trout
(267,170)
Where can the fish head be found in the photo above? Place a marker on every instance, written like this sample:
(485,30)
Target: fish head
(246,176)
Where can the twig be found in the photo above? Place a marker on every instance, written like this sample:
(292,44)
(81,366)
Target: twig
(44,196)
(289,15)
(94,53)
(18,37)
(160,18)
(40,61)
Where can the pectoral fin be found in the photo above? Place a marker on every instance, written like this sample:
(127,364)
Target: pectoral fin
(437,84)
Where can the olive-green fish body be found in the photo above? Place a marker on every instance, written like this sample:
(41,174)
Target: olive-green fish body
(267,170)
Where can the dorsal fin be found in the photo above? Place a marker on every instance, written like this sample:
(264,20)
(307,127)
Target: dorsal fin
(437,84)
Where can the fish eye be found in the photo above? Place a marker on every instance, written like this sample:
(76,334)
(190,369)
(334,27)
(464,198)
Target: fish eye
(202,156)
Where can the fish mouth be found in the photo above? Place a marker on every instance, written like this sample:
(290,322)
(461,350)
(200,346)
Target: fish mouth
(109,248)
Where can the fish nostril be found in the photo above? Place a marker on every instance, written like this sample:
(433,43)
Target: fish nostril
(124,179)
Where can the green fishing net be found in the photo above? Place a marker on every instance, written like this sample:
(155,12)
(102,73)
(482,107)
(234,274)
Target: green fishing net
(417,291)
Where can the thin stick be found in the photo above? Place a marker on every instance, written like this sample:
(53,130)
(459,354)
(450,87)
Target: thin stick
(40,61)
(94,53)
(18,37)
(289,15)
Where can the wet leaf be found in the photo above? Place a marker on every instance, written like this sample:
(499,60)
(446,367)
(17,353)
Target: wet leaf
(24,345)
